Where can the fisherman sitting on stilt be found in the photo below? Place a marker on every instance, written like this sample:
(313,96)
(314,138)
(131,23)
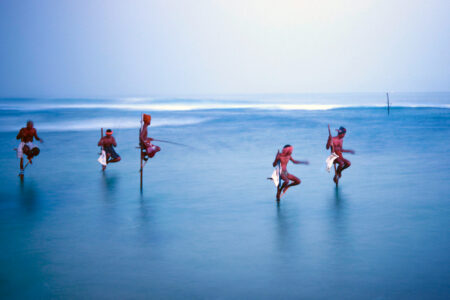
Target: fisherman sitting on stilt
(288,179)
(26,146)
(146,142)
(336,157)
(108,142)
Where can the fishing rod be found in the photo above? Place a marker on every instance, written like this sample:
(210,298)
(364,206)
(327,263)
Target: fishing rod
(174,143)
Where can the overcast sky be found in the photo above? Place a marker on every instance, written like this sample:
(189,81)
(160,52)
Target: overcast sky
(143,48)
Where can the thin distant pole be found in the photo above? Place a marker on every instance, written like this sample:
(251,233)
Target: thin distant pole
(388,103)
(140,146)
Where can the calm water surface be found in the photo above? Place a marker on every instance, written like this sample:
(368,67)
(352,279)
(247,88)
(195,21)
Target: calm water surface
(207,224)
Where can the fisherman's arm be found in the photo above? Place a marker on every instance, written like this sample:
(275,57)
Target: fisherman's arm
(348,151)
(329,142)
(299,161)
(19,135)
(114,142)
(100,143)
(143,135)
(37,138)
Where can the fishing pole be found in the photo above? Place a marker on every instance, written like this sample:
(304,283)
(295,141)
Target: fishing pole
(174,143)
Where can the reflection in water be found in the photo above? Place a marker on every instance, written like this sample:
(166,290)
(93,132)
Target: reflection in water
(144,210)
(338,199)
(338,217)
(148,231)
(285,238)
(28,196)
(110,183)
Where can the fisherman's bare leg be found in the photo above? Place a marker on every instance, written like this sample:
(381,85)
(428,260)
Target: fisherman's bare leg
(342,165)
(285,178)
(278,192)
(152,150)
(295,181)
(117,159)
(282,186)
(336,174)
(107,161)
(27,151)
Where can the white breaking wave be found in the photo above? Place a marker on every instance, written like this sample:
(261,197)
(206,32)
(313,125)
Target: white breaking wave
(207,106)
(173,107)
(115,124)
(136,106)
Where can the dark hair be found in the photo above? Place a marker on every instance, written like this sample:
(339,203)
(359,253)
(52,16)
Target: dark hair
(108,130)
(287,146)
(342,130)
(29,121)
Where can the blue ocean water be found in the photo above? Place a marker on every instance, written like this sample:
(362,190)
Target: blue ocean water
(207,224)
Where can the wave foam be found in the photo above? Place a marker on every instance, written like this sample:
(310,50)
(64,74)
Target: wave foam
(138,104)
(92,124)
(176,107)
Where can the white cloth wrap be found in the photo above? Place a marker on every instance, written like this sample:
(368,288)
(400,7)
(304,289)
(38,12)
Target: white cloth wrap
(102,158)
(20,148)
(330,161)
(276,175)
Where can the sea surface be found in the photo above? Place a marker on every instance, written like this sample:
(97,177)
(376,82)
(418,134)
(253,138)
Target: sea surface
(206,225)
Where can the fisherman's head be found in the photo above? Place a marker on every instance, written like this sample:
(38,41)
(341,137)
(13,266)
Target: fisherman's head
(30,124)
(287,149)
(341,132)
(109,132)
(147,119)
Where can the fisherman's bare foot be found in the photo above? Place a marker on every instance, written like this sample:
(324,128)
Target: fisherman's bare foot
(103,168)
(336,179)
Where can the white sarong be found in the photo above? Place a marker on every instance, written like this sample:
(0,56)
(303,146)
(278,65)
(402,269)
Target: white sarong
(102,158)
(330,161)
(20,148)
(276,175)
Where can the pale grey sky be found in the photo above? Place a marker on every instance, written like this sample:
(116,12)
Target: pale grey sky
(143,48)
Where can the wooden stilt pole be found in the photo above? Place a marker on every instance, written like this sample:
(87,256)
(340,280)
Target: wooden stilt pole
(101,147)
(388,103)
(142,166)
(21,174)
(332,151)
(101,136)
